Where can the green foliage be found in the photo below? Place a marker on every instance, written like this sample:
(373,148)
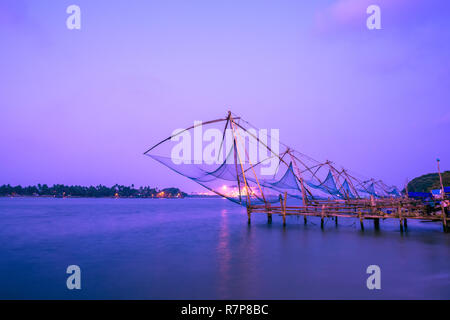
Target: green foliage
(100,191)
(428,182)
(445,181)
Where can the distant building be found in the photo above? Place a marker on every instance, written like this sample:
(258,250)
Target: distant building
(437,192)
(420,195)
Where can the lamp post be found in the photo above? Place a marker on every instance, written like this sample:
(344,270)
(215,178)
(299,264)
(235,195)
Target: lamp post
(440,178)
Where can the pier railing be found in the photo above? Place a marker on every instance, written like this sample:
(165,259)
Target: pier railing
(401,209)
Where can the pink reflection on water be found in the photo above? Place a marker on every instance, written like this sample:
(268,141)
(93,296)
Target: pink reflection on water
(224,254)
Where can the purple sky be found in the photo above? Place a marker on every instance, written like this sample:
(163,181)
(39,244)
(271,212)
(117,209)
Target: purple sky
(80,107)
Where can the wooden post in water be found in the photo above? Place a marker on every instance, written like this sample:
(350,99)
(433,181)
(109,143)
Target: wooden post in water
(284,209)
(376,223)
(399,209)
(361,219)
(248,214)
(335,221)
(321,218)
(444,219)
(304,219)
(444,216)
(269,213)
(406,189)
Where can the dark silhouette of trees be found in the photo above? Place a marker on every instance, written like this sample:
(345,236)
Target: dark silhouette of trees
(100,191)
(428,182)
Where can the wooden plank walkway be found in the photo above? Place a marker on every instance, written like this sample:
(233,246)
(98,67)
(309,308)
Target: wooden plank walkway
(401,209)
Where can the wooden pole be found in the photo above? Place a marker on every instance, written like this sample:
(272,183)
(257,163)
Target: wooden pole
(376,223)
(406,189)
(440,179)
(361,219)
(284,209)
(249,214)
(322,214)
(444,216)
(299,176)
(251,166)
(444,219)
(399,209)
(240,162)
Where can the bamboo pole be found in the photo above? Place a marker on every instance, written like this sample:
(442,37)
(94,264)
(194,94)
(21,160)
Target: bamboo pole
(444,216)
(376,223)
(240,162)
(399,209)
(350,182)
(406,189)
(269,213)
(251,165)
(300,177)
(321,216)
(361,219)
(184,130)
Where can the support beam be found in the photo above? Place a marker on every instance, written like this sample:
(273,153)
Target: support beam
(399,209)
(361,220)
(322,215)
(444,216)
(444,219)
(283,208)
(376,223)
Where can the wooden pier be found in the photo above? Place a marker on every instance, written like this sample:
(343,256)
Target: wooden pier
(402,209)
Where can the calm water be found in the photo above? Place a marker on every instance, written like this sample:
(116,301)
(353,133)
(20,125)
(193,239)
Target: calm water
(204,249)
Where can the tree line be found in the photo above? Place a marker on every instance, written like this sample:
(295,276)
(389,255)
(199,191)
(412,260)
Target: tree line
(428,182)
(100,191)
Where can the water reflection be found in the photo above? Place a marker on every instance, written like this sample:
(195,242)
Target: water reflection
(224,255)
(204,249)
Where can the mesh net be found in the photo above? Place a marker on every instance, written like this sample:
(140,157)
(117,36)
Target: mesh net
(232,159)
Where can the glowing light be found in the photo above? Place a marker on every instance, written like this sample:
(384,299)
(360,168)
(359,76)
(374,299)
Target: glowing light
(160,195)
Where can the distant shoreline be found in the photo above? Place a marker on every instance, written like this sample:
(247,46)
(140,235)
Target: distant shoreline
(81,197)
(99,191)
